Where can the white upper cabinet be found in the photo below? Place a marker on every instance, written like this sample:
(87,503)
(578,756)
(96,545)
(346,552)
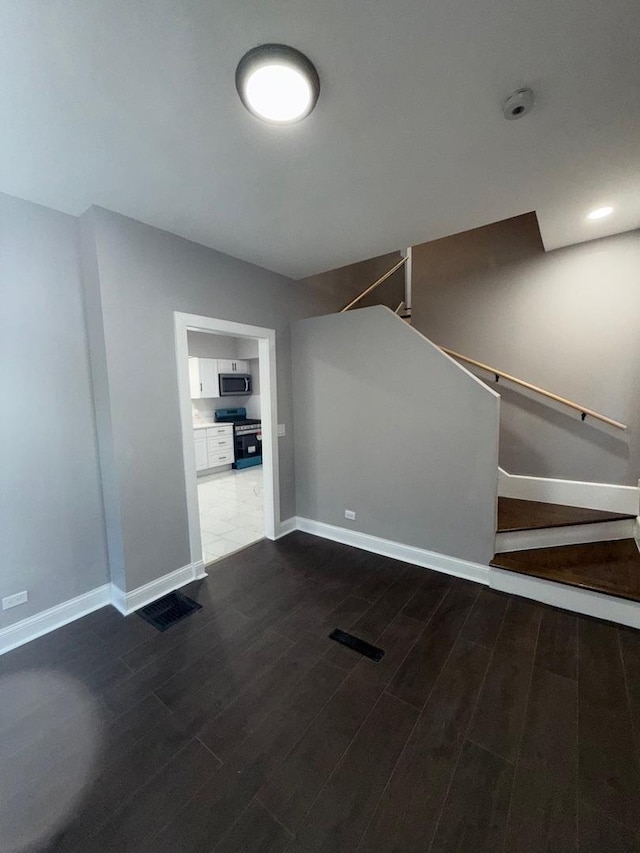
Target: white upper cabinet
(203,377)
(235,365)
(203,374)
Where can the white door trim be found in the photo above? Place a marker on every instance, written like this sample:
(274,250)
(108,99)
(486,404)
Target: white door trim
(269,415)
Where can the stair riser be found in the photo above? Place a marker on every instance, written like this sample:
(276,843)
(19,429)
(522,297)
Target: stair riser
(607,497)
(576,534)
(586,601)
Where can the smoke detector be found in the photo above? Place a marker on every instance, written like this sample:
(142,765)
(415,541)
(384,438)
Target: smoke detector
(518,104)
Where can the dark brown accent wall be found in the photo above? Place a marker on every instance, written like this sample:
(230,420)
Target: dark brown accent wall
(567,320)
(354,278)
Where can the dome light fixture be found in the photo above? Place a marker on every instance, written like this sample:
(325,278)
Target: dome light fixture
(600,212)
(277,83)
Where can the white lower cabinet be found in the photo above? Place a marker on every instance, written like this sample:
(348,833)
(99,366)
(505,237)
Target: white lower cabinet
(214,446)
(200,442)
(216,458)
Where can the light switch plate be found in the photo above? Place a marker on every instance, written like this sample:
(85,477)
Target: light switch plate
(282,430)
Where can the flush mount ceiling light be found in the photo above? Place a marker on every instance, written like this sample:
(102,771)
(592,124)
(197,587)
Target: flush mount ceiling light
(600,213)
(277,83)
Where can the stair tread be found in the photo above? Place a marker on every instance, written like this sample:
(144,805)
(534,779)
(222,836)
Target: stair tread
(516,514)
(609,567)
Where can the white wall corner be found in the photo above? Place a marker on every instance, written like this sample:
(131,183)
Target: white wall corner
(128,602)
(54,617)
(397,551)
(287,526)
(75,608)
(119,599)
(199,572)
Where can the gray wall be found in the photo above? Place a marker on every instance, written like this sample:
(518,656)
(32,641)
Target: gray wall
(144,275)
(567,320)
(52,537)
(206,345)
(351,280)
(388,426)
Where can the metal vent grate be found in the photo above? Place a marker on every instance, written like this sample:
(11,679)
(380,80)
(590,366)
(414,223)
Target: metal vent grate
(168,610)
(357,644)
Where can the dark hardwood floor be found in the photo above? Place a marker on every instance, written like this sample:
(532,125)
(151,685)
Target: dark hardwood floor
(609,567)
(492,723)
(516,514)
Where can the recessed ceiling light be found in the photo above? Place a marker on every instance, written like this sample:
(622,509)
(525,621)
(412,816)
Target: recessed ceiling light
(600,213)
(277,83)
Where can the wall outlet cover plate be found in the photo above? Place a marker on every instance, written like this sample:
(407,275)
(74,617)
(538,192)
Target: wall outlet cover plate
(14,600)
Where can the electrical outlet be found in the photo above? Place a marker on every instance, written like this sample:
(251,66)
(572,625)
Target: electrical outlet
(14,600)
(350,514)
(282,430)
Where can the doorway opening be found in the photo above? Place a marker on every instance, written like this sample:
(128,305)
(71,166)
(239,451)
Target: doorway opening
(228,412)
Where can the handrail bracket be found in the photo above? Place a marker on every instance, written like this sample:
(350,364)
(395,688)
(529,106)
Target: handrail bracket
(536,389)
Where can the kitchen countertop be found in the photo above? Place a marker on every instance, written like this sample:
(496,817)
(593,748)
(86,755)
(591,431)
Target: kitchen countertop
(205,424)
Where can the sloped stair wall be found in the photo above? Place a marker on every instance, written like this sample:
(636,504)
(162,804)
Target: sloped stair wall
(389,427)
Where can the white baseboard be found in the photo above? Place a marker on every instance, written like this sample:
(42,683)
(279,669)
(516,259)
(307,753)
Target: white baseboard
(397,551)
(287,526)
(605,496)
(128,602)
(75,608)
(548,592)
(55,617)
(567,597)
(198,570)
(573,534)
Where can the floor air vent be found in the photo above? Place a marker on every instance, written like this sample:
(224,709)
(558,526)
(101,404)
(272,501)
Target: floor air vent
(168,610)
(356,644)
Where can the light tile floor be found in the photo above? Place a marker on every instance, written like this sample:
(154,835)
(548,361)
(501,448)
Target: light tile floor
(231,511)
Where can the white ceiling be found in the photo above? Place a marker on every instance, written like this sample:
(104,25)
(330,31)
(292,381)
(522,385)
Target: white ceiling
(131,104)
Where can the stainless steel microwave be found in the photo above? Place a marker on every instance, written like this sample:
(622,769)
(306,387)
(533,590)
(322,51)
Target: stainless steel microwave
(234,384)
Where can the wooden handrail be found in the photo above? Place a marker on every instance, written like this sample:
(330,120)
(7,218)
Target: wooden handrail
(373,286)
(500,373)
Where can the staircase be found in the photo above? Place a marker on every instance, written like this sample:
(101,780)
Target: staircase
(588,549)
(585,548)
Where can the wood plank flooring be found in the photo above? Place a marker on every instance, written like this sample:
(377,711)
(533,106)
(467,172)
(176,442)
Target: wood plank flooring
(516,514)
(609,567)
(492,723)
